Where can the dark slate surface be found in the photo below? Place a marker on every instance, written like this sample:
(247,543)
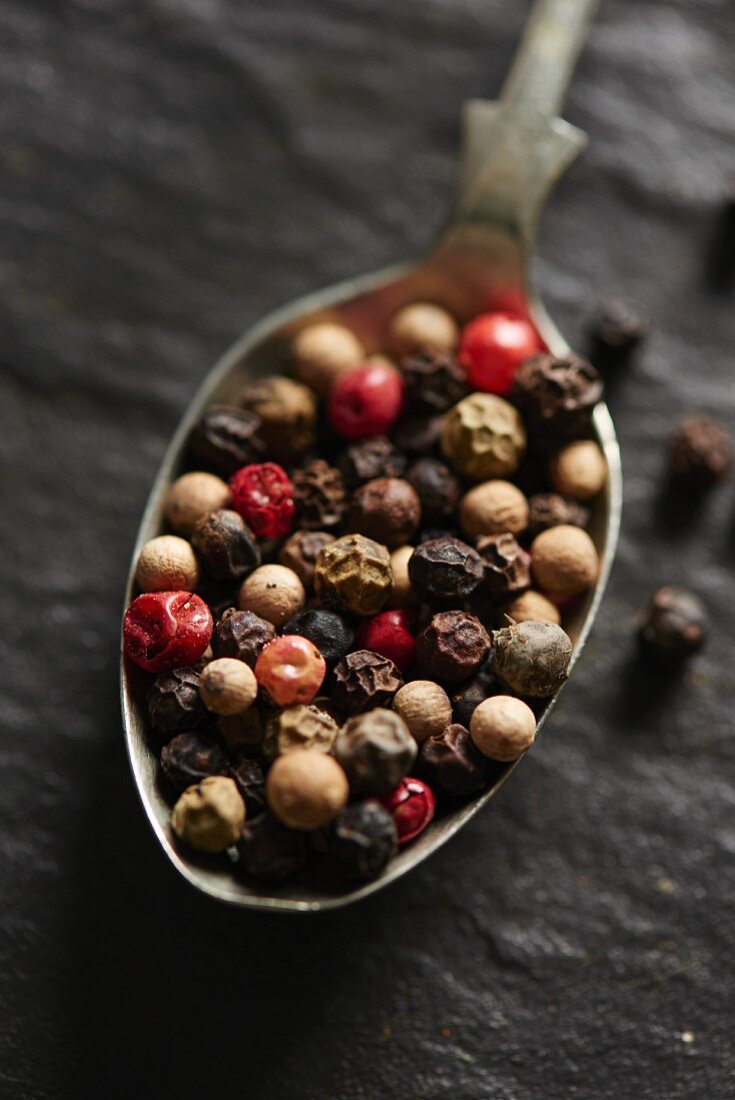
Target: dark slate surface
(172,169)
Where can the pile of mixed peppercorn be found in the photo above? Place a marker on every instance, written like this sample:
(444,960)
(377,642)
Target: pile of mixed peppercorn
(364,587)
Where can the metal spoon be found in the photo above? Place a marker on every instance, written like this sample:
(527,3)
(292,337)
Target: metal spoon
(514,150)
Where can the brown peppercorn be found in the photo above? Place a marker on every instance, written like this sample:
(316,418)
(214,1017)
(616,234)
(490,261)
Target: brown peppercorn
(433,382)
(615,333)
(320,495)
(376,751)
(530,605)
(425,708)
(452,646)
(506,566)
(210,815)
(300,553)
(228,686)
(451,763)
(242,635)
(299,727)
(493,508)
(363,680)
(174,702)
(437,487)
(190,757)
(483,436)
(503,728)
(273,592)
(531,658)
(422,327)
(550,509)
(269,851)
(167,564)
(578,470)
(371,458)
(287,412)
(192,496)
(419,435)
(324,351)
(242,731)
(353,574)
(556,396)
(226,438)
(402,593)
(700,453)
(226,545)
(564,561)
(444,569)
(675,625)
(387,510)
(305,790)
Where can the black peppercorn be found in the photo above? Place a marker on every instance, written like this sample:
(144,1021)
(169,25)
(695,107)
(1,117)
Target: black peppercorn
(320,496)
(375,750)
(451,764)
(362,840)
(174,702)
(445,569)
(269,851)
(437,487)
(433,382)
(331,633)
(451,647)
(532,658)
(241,634)
(700,453)
(419,435)
(547,510)
(250,782)
(506,565)
(190,757)
(469,695)
(363,680)
(225,545)
(227,438)
(556,396)
(674,626)
(615,333)
(371,458)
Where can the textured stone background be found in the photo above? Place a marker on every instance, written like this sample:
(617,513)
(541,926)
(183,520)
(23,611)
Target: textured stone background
(172,169)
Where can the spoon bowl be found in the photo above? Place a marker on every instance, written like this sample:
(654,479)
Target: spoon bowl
(514,150)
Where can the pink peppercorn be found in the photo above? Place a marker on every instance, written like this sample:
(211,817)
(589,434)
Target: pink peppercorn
(493,346)
(291,669)
(412,804)
(166,630)
(263,495)
(366,401)
(391,635)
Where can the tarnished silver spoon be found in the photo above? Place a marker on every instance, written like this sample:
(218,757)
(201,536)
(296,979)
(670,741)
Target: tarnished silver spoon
(514,150)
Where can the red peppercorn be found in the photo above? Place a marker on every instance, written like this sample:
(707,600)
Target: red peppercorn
(391,635)
(412,804)
(263,495)
(166,630)
(366,401)
(493,346)
(291,669)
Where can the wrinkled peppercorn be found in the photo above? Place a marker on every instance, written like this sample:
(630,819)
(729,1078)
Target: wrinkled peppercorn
(354,573)
(190,757)
(445,569)
(250,782)
(551,510)
(387,510)
(433,382)
(331,633)
(437,487)
(700,453)
(363,839)
(556,396)
(225,545)
(174,702)
(320,496)
(363,680)
(532,658)
(226,438)
(376,750)
(506,565)
(301,551)
(299,727)
(483,437)
(419,435)
(269,851)
(243,635)
(452,646)
(674,626)
(615,333)
(451,763)
(371,458)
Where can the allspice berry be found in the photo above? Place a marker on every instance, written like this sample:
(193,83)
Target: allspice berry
(297,728)
(425,708)
(376,751)
(228,686)
(273,592)
(210,815)
(226,545)
(564,561)
(503,727)
(387,510)
(192,496)
(167,564)
(306,790)
(531,605)
(492,508)
(324,351)
(353,574)
(531,658)
(700,453)
(422,327)
(402,594)
(300,552)
(578,470)
(674,626)
(483,437)
(287,412)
